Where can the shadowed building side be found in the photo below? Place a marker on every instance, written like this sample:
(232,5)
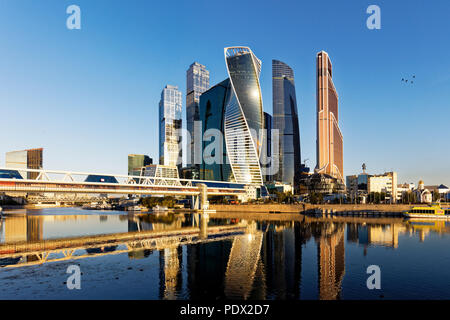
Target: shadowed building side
(285,119)
(212,117)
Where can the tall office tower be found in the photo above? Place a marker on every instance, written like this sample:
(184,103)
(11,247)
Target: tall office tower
(169,125)
(215,165)
(136,162)
(266,164)
(285,120)
(329,137)
(25,159)
(197,82)
(244,117)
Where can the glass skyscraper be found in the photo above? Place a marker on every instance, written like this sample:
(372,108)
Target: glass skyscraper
(234,107)
(285,120)
(170,107)
(244,114)
(212,116)
(197,82)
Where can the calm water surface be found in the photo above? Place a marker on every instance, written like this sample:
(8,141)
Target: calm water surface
(310,259)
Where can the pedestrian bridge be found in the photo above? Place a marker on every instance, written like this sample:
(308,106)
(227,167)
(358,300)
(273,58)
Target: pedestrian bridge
(52,181)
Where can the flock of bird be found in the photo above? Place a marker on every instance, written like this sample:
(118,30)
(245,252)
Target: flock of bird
(410,80)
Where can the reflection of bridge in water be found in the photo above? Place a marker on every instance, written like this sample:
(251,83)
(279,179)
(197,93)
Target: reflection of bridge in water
(20,254)
(25,247)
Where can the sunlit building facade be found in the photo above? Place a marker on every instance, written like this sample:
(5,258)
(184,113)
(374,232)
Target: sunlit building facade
(25,159)
(285,120)
(329,136)
(169,125)
(197,82)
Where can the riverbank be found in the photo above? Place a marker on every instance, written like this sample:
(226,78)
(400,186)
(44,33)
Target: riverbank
(301,208)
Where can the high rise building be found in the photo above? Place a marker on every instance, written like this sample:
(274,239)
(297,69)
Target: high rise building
(197,82)
(234,107)
(25,159)
(329,136)
(136,162)
(215,165)
(169,125)
(244,114)
(285,120)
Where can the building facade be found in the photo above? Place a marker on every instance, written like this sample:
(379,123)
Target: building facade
(197,82)
(244,119)
(329,137)
(357,187)
(285,120)
(266,155)
(386,183)
(170,106)
(25,159)
(136,162)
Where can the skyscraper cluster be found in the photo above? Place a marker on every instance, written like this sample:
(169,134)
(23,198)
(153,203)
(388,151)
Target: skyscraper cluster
(255,147)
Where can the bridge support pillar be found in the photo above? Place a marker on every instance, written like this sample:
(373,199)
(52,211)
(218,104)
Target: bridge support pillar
(204,219)
(203,189)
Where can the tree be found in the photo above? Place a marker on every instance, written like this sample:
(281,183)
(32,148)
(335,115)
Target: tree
(436,196)
(316,198)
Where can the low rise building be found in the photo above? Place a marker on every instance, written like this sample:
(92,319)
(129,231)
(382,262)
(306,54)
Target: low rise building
(279,187)
(423,195)
(386,183)
(404,188)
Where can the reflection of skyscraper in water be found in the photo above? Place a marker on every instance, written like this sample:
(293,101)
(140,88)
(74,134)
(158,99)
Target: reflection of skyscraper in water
(282,259)
(206,267)
(242,265)
(331,263)
(170,280)
(23,228)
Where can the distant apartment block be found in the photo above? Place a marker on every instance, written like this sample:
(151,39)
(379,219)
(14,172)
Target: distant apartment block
(25,159)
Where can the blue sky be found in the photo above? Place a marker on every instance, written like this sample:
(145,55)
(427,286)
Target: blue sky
(90,96)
